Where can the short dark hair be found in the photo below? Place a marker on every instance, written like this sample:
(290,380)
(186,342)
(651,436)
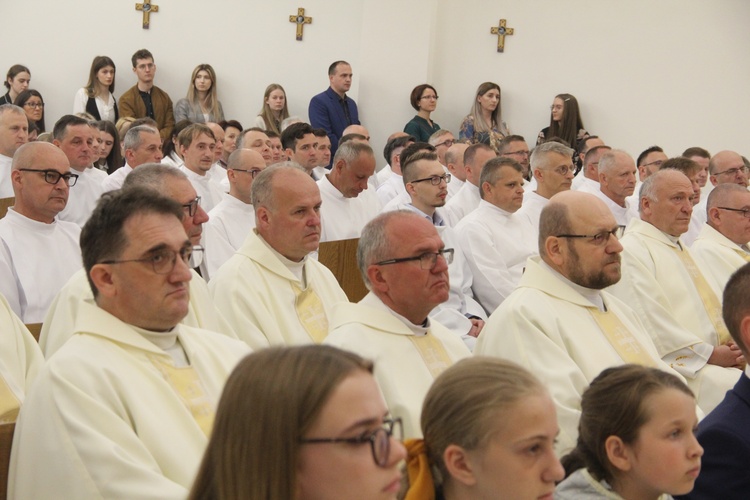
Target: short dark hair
(334,65)
(58,131)
(684,165)
(103,235)
(407,169)
(696,151)
(471,152)
(507,140)
(491,171)
(646,152)
(396,142)
(319,132)
(416,94)
(273,135)
(348,137)
(413,149)
(191,132)
(293,133)
(225,124)
(141,54)
(735,304)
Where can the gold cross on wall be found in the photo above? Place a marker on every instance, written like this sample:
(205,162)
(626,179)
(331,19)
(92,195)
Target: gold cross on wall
(301,21)
(501,31)
(147,9)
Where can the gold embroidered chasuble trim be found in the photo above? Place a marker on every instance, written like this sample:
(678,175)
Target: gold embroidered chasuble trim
(189,388)
(9,403)
(311,313)
(433,353)
(708,297)
(619,336)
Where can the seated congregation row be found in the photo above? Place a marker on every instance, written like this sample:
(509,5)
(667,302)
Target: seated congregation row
(532,272)
(331,110)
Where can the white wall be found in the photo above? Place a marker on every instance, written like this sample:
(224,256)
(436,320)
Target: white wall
(672,72)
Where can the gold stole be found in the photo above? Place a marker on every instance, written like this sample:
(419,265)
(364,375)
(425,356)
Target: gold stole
(311,313)
(9,403)
(618,335)
(433,353)
(708,297)
(188,386)
(743,254)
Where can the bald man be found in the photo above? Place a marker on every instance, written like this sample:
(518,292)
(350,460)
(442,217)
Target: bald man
(589,330)
(722,245)
(38,252)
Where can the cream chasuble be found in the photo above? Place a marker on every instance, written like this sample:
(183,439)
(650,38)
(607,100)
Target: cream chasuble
(717,256)
(405,366)
(549,328)
(254,287)
(61,318)
(102,421)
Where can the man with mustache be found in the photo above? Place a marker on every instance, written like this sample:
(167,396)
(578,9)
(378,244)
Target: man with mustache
(679,307)
(404,264)
(271,282)
(559,322)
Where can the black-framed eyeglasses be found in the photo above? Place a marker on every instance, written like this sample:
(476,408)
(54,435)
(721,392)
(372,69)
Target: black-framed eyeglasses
(164,260)
(379,439)
(599,238)
(430,97)
(192,207)
(657,163)
(427,260)
(447,144)
(253,172)
(38,105)
(53,176)
(733,171)
(435,180)
(563,170)
(520,152)
(744,211)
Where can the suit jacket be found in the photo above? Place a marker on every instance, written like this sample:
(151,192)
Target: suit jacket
(131,104)
(725,437)
(326,112)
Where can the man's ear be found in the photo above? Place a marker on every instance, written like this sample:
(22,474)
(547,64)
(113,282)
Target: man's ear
(101,275)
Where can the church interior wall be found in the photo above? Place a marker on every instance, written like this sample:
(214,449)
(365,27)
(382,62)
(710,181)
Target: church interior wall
(670,72)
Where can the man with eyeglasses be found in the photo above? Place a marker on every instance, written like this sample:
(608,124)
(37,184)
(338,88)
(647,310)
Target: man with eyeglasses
(124,409)
(726,167)
(617,173)
(679,306)
(722,245)
(514,146)
(272,282)
(14,133)
(553,170)
(497,239)
(38,252)
(75,137)
(467,199)
(560,322)
(404,264)
(145,99)
(347,203)
(426,182)
(142,145)
(233,218)
(441,141)
(62,315)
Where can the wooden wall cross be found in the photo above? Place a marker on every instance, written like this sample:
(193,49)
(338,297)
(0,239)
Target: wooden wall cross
(501,31)
(301,21)
(147,9)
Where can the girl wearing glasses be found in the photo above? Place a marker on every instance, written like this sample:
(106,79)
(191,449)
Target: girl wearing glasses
(484,123)
(489,432)
(33,105)
(301,423)
(565,122)
(424,99)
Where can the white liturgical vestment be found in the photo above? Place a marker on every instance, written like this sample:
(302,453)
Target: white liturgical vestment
(622,215)
(370,329)
(228,225)
(111,415)
(466,201)
(549,327)
(210,193)
(115,179)
(20,360)
(718,256)
(390,188)
(661,290)
(343,218)
(36,260)
(6,185)
(59,324)
(496,244)
(532,207)
(586,185)
(454,186)
(83,196)
(256,287)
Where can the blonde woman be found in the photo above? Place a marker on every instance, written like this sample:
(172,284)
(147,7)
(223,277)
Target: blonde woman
(274,110)
(202,104)
(484,123)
